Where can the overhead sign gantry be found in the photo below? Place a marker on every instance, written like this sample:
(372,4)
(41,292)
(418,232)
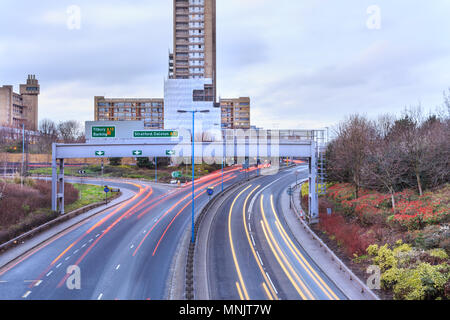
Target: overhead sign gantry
(127,139)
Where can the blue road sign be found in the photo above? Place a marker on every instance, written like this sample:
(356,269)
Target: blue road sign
(106,190)
(210,191)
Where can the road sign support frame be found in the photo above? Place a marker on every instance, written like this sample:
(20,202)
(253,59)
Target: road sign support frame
(62,152)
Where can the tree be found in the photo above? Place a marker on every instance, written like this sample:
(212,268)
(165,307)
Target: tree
(384,167)
(48,134)
(349,150)
(70,131)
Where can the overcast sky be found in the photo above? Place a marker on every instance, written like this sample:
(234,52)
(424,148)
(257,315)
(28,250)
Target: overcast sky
(305,64)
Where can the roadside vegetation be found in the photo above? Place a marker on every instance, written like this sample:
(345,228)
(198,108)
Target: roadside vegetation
(389,192)
(143,170)
(23,208)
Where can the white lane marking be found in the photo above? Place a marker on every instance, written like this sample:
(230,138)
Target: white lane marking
(3,281)
(259,257)
(91,240)
(249,227)
(271,283)
(59,265)
(253,240)
(118,266)
(38,283)
(250,207)
(84,245)
(76,251)
(132,246)
(100,296)
(98,235)
(68,258)
(26,294)
(49,274)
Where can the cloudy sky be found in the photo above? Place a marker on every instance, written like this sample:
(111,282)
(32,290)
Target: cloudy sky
(305,64)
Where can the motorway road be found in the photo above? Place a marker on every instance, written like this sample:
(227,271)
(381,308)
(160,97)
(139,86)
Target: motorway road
(251,253)
(125,252)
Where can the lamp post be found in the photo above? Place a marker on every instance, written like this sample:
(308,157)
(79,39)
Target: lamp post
(193,165)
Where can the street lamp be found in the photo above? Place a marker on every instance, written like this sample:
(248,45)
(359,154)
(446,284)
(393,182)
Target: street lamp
(193,166)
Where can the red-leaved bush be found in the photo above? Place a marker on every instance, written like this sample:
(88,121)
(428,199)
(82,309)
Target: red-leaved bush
(19,203)
(350,236)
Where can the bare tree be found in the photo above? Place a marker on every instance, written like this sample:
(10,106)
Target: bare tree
(436,133)
(69,131)
(350,149)
(48,134)
(412,143)
(384,168)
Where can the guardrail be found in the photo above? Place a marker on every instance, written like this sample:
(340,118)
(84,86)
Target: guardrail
(189,287)
(335,259)
(18,240)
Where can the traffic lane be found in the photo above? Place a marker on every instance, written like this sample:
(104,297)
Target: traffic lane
(36,264)
(309,280)
(273,286)
(252,279)
(222,275)
(224,260)
(77,251)
(158,250)
(96,272)
(328,289)
(104,256)
(287,280)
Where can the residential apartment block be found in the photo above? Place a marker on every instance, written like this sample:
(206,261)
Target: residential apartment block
(235,113)
(191,84)
(20,108)
(151,111)
(194,41)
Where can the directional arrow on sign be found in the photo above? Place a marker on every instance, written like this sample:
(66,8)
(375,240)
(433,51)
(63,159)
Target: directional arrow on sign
(99,153)
(170,152)
(137,153)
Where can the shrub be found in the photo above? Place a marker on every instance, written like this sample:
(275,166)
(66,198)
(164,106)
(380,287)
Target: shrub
(350,236)
(115,162)
(145,163)
(407,276)
(19,202)
(426,282)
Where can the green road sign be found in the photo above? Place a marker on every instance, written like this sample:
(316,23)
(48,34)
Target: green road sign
(137,153)
(99,153)
(104,132)
(170,152)
(155,134)
(176,174)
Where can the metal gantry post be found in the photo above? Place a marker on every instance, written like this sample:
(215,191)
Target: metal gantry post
(54,180)
(313,195)
(61,186)
(156,169)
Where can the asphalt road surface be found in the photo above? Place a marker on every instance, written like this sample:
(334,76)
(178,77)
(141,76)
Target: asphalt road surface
(123,253)
(251,254)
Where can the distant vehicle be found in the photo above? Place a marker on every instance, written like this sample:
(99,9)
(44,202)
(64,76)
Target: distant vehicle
(174,182)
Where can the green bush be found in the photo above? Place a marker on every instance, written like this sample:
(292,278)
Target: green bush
(407,276)
(145,163)
(426,282)
(115,162)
